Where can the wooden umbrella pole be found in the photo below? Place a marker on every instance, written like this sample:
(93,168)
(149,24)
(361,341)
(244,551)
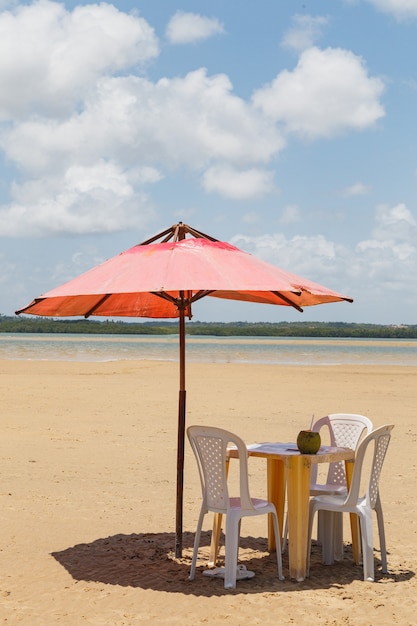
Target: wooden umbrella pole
(181,434)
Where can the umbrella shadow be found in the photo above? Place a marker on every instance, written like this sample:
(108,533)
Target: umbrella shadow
(147,561)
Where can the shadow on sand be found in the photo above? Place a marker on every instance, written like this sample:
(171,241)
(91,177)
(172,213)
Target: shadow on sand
(147,560)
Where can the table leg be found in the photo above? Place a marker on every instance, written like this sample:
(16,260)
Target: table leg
(298,488)
(276,495)
(354,520)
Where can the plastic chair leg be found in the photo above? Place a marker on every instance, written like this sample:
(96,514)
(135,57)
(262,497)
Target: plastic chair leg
(196,544)
(338,536)
(331,534)
(285,535)
(320,528)
(367,546)
(232,546)
(278,544)
(381,532)
(328,523)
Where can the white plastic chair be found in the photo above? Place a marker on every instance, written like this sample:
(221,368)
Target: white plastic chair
(362,499)
(345,431)
(209,445)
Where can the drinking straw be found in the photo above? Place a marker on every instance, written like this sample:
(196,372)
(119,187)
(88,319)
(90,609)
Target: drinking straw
(312,420)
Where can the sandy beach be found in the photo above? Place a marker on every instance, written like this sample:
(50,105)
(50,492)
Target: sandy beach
(87,494)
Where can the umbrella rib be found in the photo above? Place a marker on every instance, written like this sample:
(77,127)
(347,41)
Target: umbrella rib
(165,296)
(96,306)
(30,306)
(202,294)
(288,300)
(181,303)
(168,231)
(207,292)
(173,232)
(194,298)
(198,234)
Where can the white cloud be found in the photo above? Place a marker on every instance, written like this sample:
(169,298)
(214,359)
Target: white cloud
(357,189)
(372,268)
(289,251)
(327,93)
(50,57)
(305,32)
(395,223)
(238,184)
(312,257)
(100,198)
(146,175)
(290,214)
(148,129)
(386,262)
(399,8)
(85,140)
(190,27)
(187,121)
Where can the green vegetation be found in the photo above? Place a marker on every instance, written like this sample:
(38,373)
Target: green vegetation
(230,329)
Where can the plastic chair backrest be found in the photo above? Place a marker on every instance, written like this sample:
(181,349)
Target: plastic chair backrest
(345,430)
(209,445)
(370,485)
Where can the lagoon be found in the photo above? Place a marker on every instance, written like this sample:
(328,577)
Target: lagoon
(203,349)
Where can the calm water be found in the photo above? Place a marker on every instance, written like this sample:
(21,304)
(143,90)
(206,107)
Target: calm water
(296,351)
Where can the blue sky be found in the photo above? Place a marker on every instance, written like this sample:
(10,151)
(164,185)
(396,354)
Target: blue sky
(286,128)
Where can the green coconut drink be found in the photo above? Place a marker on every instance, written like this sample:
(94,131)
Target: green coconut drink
(308,442)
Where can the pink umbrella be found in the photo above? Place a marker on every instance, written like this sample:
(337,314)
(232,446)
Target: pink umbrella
(161,278)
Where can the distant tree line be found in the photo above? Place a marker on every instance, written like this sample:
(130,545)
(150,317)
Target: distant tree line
(218,329)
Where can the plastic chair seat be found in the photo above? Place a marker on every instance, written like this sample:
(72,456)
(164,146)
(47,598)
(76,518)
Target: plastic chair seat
(257,504)
(327,490)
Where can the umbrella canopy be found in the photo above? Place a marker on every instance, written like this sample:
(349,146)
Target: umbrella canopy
(161,278)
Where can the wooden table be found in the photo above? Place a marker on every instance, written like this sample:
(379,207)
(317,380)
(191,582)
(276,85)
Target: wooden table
(286,466)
